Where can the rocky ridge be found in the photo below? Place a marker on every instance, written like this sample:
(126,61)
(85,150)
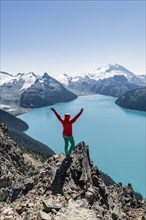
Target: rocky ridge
(60,188)
(14,169)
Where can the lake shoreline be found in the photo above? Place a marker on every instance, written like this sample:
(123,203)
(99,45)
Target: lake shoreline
(115,131)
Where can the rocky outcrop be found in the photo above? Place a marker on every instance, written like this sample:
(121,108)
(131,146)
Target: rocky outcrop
(61,188)
(15,172)
(135,99)
(46,91)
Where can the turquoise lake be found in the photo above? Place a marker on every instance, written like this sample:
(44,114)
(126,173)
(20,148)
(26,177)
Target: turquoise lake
(116,136)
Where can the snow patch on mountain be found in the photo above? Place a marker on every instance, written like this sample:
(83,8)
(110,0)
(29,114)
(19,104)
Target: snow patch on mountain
(66,79)
(63,78)
(25,79)
(29,79)
(5,77)
(111,70)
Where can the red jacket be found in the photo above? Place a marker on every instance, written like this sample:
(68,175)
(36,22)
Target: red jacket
(67,124)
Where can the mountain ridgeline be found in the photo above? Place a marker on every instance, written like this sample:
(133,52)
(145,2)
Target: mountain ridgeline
(112,80)
(31,91)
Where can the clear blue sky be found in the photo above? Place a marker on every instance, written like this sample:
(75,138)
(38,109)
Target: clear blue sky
(72,36)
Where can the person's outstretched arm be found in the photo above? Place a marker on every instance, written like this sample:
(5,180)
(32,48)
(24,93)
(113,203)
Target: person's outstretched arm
(57,115)
(77,116)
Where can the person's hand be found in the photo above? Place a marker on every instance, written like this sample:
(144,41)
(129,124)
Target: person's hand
(52,109)
(82,109)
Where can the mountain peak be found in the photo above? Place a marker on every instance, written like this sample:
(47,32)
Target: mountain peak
(112,67)
(46,75)
(111,70)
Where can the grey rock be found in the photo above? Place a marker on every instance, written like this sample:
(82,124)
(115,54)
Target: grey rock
(51,204)
(90,197)
(43,216)
(111,202)
(14,169)
(144,217)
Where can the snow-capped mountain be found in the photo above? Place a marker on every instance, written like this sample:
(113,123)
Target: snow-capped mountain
(112,70)
(104,72)
(112,79)
(15,89)
(5,77)
(80,84)
(86,83)
(12,87)
(24,80)
(45,91)
(27,79)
